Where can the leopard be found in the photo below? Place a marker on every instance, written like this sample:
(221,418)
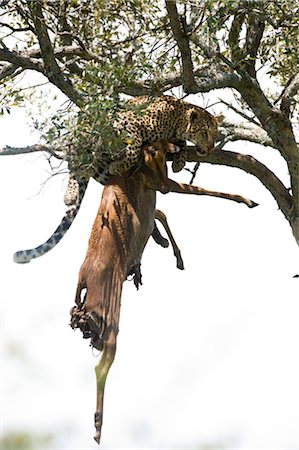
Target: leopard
(149,119)
(146,120)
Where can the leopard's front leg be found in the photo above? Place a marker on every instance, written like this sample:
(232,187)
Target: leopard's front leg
(179,158)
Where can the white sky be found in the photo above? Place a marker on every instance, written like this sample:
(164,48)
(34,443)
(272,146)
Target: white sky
(208,355)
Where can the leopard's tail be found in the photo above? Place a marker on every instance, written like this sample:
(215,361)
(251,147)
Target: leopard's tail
(73,198)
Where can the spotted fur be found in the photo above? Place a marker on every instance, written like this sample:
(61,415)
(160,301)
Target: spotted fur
(165,117)
(146,120)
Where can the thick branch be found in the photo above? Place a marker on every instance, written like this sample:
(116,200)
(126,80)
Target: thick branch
(207,78)
(215,76)
(20,61)
(278,127)
(52,70)
(245,57)
(179,31)
(243,131)
(250,165)
(28,59)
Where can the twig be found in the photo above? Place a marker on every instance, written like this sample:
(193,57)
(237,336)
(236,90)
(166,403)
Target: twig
(193,172)
(241,113)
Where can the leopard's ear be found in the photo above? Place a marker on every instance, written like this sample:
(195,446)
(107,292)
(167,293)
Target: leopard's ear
(220,118)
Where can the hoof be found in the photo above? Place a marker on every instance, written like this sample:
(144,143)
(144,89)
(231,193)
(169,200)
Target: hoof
(98,426)
(180,264)
(97,437)
(253,204)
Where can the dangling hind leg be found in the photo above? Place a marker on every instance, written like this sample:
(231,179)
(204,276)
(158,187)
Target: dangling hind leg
(102,369)
(159,215)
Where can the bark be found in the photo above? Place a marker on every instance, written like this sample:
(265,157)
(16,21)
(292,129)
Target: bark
(52,69)
(288,94)
(178,26)
(243,131)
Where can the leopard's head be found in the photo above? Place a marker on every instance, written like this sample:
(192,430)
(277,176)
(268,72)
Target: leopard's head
(201,128)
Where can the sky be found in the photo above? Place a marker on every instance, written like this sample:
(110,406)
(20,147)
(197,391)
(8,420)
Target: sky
(206,356)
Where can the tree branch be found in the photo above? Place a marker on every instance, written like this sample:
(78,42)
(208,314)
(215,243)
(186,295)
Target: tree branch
(240,112)
(243,131)
(10,70)
(27,59)
(254,34)
(237,54)
(287,96)
(52,70)
(15,30)
(20,61)
(12,151)
(178,27)
(250,165)
(208,78)
(210,48)
(68,51)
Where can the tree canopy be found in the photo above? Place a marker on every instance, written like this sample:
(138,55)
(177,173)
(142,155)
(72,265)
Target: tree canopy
(98,51)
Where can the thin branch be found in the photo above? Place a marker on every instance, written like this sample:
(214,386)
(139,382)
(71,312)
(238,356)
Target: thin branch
(68,51)
(11,151)
(10,70)
(13,29)
(289,92)
(51,174)
(194,172)
(238,111)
